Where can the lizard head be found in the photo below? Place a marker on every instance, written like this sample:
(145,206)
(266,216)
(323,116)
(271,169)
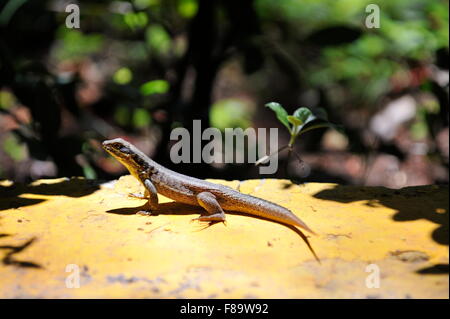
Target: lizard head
(128,155)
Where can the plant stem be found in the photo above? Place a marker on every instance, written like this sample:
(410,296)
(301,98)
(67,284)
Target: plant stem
(292,140)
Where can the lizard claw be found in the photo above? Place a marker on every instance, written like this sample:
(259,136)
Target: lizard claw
(207,224)
(209,221)
(219,217)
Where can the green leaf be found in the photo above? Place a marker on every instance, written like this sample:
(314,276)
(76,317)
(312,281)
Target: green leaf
(303,114)
(294,120)
(154,87)
(280,112)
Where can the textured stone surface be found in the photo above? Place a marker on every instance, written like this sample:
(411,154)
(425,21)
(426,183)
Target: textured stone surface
(50,224)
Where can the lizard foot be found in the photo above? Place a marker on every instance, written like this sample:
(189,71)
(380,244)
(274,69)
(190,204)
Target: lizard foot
(148,210)
(212,219)
(145,212)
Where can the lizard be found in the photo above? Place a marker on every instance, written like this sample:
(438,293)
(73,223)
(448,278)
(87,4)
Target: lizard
(214,198)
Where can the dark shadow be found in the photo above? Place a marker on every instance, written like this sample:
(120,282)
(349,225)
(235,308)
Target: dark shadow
(175,208)
(125,211)
(171,208)
(322,176)
(438,269)
(9,259)
(287,185)
(10,196)
(318,175)
(411,203)
(16,202)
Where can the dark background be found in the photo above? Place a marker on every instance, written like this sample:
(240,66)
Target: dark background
(137,69)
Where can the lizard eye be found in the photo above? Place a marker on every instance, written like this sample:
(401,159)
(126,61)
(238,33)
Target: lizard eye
(124,150)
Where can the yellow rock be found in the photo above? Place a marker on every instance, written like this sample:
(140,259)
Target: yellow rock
(77,238)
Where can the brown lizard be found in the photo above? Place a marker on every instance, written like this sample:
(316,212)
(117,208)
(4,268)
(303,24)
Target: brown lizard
(214,198)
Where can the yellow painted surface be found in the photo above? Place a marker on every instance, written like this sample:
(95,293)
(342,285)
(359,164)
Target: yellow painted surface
(52,230)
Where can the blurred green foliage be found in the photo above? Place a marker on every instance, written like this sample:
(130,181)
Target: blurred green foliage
(123,76)
(77,45)
(7,100)
(187,8)
(410,29)
(154,87)
(141,118)
(135,20)
(158,39)
(15,149)
(231,113)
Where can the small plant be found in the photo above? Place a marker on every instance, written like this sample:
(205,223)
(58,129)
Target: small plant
(301,121)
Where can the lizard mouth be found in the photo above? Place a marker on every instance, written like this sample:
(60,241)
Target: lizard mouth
(119,151)
(109,147)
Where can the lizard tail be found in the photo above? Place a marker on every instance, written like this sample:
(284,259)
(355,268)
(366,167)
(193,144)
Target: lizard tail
(269,210)
(298,222)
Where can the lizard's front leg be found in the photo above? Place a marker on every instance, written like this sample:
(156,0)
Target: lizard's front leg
(209,202)
(152,195)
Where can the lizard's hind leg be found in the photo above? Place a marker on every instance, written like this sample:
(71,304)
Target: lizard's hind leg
(209,202)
